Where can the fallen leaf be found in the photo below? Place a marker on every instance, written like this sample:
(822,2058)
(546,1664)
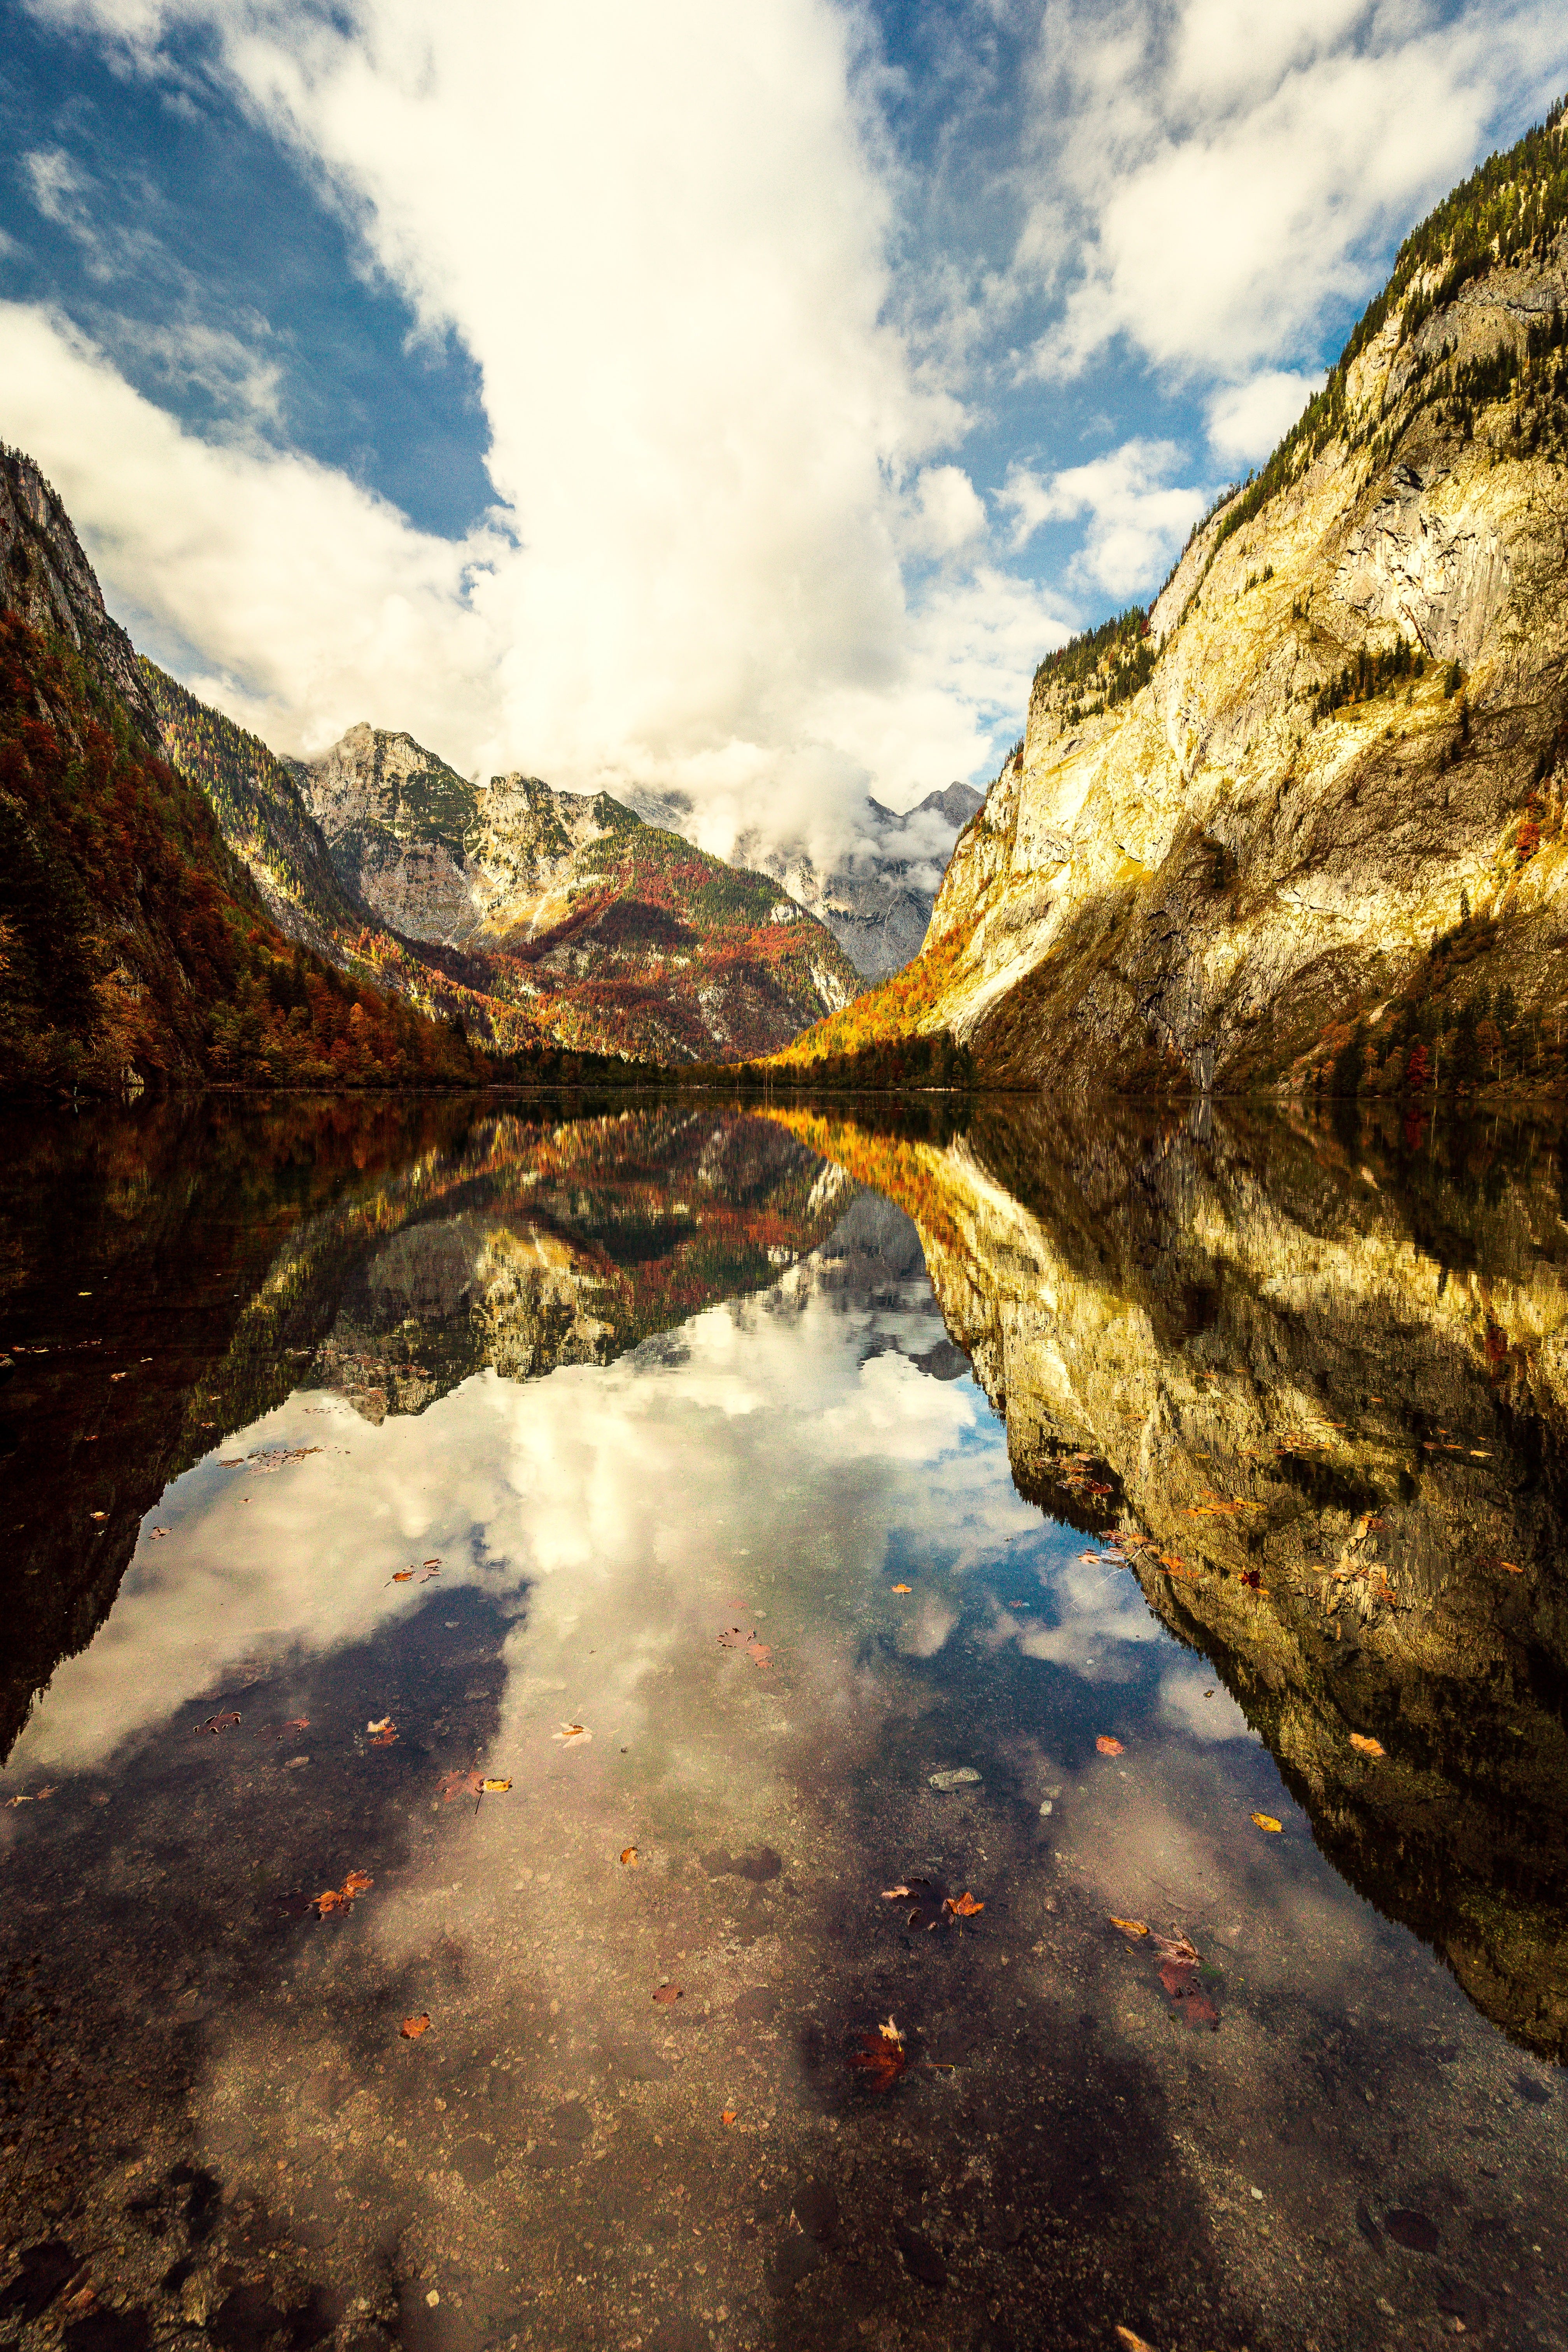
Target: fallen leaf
(1253,1579)
(965,1907)
(666,1993)
(727,2117)
(382,1723)
(570,1732)
(461,1784)
(413,2027)
(1366,1746)
(1511,1566)
(880,2055)
(340,1898)
(630,1856)
(903,1587)
(1132,1928)
(928,1903)
(1267,1822)
(1109,1747)
(495,1787)
(1130,2342)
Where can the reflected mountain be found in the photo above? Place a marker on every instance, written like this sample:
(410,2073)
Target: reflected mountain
(174,1274)
(1320,1386)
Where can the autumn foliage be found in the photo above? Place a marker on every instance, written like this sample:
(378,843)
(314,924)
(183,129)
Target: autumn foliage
(132,941)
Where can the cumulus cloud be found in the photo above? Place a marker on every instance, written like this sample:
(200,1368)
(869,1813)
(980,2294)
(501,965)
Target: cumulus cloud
(663,237)
(1135,518)
(1210,178)
(1247,420)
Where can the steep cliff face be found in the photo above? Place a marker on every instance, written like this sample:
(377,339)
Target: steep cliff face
(46,578)
(1320,778)
(1325,1408)
(264,819)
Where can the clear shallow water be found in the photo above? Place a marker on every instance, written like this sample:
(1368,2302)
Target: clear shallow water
(479,1428)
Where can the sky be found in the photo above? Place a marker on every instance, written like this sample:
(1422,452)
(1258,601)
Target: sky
(736,402)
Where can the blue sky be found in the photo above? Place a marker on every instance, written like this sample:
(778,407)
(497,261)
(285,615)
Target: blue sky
(739,407)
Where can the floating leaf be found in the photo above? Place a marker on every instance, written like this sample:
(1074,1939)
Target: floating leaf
(385,1738)
(758,1652)
(630,1856)
(1131,1929)
(1109,1747)
(400,1576)
(217,1723)
(299,1723)
(382,1723)
(1253,1579)
(461,1784)
(430,1563)
(156,1535)
(930,1905)
(413,2027)
(727,2117)
(880,2055)
(1365,1747)
(668,1993)
(570,1732)
(495,1787)
(1267,1822)
(340,1898)
(964,1907)
(35,1796)
(903,1587)
(1130,2342)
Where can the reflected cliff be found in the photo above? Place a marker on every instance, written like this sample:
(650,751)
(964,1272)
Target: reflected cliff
(1319,1384)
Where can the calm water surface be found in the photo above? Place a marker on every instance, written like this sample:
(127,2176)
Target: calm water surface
(1152,1535)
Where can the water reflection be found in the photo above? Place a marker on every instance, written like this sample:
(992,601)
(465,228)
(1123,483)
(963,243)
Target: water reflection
(635,1461)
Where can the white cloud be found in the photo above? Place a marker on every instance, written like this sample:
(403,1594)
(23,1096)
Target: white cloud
(662,235)
(305,602)
(1247,420)
(57,186)
(1136,519)
(1208,179)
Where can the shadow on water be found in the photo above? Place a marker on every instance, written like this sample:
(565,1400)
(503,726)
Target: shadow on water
(639,1465)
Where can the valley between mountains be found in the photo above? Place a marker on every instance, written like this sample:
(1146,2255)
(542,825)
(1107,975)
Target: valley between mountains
(1298,825)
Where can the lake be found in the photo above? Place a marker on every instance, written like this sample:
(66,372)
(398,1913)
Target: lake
(834,1726)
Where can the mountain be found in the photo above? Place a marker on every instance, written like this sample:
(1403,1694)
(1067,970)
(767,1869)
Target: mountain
(877,898)
(134,947)
(1302,823)
(606,931)
(534,918)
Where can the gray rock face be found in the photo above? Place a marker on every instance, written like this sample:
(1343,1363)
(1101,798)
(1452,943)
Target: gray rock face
(442,859)
(44,576)
(877,899)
